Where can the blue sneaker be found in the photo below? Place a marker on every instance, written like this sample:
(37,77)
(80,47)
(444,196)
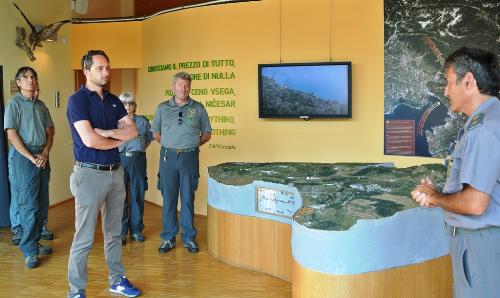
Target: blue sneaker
(192,247)
(125,288)
(166,246)
(80,294)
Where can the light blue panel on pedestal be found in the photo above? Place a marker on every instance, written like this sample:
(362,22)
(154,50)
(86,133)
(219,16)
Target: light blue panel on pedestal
(408,237)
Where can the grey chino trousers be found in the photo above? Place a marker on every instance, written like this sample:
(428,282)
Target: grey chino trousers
(96,191)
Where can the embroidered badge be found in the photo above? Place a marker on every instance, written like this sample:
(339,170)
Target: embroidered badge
(476,121)
(191,114)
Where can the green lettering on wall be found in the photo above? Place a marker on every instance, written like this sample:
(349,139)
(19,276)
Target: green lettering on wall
(221,119)
(160,67)
(220,103)
(222,75)
(226,132)
(222,63)
(222,91)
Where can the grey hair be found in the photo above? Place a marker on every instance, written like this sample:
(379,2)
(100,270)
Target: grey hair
(126,97)
(182,75)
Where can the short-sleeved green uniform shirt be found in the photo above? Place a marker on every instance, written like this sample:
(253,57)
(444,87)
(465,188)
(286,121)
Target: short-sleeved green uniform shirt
(180,127)
(29,118)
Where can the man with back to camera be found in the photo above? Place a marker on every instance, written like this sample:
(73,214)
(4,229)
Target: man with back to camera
(17,230)
(133,160)
(99,124)
(471,196)
(180,125)
(30,129)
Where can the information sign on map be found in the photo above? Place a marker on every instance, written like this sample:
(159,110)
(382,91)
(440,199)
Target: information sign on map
(275,202)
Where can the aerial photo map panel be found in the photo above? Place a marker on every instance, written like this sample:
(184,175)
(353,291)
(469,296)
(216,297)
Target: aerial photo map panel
(418,36)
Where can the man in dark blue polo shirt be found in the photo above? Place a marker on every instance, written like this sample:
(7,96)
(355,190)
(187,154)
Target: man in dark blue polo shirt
(99,124)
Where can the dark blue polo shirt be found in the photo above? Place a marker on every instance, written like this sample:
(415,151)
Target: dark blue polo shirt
(103,114)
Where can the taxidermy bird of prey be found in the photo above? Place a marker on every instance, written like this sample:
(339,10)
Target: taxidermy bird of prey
(36,37)
(21,42)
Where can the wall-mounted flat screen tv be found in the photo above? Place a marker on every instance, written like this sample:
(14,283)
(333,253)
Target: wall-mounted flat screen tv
(305,90)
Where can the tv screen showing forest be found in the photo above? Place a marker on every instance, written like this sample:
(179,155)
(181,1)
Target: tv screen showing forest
(305,90)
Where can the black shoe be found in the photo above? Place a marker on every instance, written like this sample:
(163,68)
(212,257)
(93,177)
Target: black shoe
(137,237)
(124,239)
(46,234)
(192,247)
(16,236)
(43,250)
(166,246)
(30,261)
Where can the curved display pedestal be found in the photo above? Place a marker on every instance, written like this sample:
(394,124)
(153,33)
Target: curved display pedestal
(251,243)
(431,279)
(340,230)
(265,246)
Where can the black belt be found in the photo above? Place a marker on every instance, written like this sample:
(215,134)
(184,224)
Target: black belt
(453,231)
(131,153)
(98,167)
(182,150)
(35,148)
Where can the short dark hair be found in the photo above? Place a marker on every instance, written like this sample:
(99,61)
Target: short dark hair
(87,58)
(22,71)
(481,63)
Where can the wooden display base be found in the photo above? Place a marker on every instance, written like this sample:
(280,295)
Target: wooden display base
(264,245)
(250,243)
(431,279)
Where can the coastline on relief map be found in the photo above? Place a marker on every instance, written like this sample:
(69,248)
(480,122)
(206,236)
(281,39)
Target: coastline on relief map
(418,36)
(335,195)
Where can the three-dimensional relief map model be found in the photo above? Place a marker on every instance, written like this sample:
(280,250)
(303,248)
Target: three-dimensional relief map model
(418,36)
(335,196)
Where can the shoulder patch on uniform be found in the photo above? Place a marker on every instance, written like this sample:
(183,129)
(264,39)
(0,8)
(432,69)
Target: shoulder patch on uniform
(476,121)
(144,117)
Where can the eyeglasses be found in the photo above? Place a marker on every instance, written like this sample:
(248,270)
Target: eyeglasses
(129,103)
(180,118)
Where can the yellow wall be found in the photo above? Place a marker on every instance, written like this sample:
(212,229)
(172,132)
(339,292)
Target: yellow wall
(54,73)
(121,41)
(267,32)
